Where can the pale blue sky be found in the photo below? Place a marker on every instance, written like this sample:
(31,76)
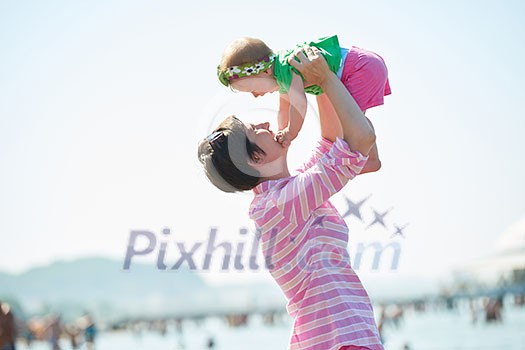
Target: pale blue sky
(102,104)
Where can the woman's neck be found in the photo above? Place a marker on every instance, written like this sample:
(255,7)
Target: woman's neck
(278,169)
(283,174)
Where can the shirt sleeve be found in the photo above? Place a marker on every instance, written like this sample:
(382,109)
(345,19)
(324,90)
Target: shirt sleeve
(322,146)
(325,177)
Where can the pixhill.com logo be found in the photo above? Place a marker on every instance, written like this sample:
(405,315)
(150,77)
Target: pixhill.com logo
(244,253)
(379,217)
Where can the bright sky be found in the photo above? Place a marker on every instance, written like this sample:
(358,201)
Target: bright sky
(102,104)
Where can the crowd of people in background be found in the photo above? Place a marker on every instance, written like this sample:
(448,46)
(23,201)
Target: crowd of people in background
(50,328)
(82,332)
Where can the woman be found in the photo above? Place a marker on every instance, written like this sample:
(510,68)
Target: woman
(303,237)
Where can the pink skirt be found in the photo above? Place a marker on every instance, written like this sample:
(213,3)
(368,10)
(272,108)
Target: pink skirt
(366,77)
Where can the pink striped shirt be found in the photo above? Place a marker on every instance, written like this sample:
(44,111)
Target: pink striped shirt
(304,240)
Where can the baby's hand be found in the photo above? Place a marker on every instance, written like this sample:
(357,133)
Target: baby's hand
(283,137)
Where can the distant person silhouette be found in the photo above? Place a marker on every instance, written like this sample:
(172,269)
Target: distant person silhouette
(90,331)
(493,310)
(210,343)
(7,327)
(72,332)
(54,329)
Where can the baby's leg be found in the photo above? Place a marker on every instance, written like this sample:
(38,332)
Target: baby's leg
(373,163)
(366,78)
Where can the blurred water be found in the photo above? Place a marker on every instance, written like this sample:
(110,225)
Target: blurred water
(453,330)
(436,330)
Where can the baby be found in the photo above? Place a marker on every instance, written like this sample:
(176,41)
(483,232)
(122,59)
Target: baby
(249,65)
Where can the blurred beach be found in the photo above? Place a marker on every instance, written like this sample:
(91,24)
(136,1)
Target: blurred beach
(433,329)
(182,312)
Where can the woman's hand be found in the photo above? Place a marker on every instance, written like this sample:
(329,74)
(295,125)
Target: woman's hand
(356,131)
(312,66)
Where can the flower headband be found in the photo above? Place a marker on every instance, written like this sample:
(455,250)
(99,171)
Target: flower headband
(244,70)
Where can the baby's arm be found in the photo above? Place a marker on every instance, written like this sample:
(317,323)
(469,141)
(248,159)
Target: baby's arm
(283,115)
(296,111)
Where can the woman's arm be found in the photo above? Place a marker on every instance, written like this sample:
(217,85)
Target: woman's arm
(298,105)
(330,125)
(308,190)
(356,130)
(330,129)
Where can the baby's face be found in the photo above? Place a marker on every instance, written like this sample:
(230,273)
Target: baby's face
(257,85)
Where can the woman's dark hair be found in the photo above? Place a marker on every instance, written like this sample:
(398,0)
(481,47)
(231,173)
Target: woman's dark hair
(225,155)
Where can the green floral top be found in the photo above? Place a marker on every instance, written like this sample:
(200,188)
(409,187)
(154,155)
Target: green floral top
(282,70)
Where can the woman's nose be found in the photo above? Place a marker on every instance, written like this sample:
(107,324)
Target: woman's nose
(265,125)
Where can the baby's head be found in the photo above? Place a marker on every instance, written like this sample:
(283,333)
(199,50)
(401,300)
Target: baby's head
(246,66)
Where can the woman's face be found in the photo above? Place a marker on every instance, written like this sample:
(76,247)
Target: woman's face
(262,136)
